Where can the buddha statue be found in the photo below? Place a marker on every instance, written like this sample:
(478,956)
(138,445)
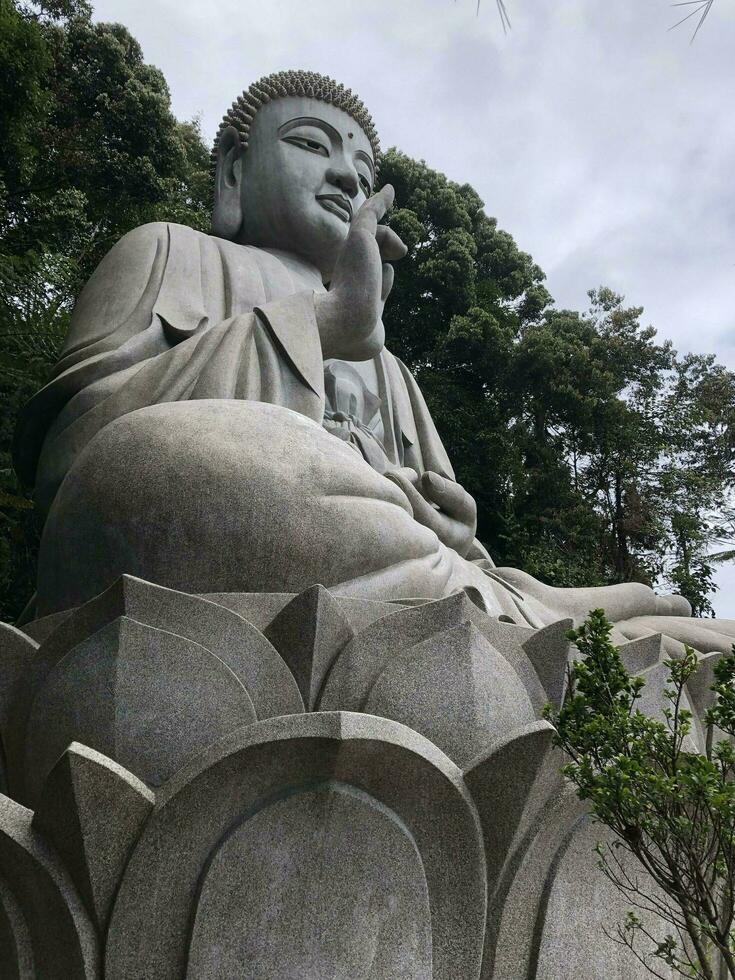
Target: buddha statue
(225,417)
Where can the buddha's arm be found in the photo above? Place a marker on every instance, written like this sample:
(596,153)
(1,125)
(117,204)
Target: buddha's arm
(144,333)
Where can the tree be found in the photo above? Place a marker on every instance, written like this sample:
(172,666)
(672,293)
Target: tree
(670,808)
(596,454)
(89,149)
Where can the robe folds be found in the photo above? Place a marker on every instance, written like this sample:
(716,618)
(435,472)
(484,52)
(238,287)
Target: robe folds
(173,315)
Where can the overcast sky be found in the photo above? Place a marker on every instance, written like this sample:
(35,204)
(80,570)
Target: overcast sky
(602,142)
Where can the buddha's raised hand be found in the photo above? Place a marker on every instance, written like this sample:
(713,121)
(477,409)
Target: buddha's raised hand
(349,314)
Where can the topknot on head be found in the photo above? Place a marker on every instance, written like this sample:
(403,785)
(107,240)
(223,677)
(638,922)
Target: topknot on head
(308,84)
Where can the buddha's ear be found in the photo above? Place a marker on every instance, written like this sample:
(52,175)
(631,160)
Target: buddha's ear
(227,212)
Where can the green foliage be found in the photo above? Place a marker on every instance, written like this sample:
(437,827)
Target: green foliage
(89,149)
(595,454)
(670,807)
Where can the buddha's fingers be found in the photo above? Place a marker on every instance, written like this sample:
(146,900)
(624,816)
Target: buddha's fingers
(391,246)
(388,277)
(423,511)
(373,210)
(451,498)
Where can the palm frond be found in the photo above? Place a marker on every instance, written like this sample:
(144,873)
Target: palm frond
(702,7)
(720,557)
(504,18)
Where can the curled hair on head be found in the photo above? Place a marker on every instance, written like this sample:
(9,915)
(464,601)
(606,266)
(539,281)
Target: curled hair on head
(309,84)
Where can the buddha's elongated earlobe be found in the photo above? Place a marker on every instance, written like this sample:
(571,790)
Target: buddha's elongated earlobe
(227,211)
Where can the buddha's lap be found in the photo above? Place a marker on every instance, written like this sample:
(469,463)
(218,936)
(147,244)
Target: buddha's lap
(216,496)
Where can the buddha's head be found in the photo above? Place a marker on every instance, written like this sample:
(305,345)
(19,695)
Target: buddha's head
(295,158)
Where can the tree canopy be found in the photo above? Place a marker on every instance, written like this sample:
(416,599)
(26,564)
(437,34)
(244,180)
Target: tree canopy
(670,806)
(595,452)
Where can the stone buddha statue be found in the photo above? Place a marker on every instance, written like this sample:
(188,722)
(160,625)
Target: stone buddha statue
(225,417)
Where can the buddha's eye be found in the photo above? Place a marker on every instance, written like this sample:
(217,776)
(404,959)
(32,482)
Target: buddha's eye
(306,143)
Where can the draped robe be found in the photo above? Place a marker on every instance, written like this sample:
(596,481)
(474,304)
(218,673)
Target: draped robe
(172,315)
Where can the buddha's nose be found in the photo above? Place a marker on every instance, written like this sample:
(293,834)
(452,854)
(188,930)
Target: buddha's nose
(345,178)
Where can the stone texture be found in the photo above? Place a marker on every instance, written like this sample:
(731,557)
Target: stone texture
(548,650)
(261,608)
(510,948)
(242,540)
(580,900)
(228,636)
(652,702)
(455,689)
(335,852)
(364,658)
(144,697)
(92,811)
(46,932)
(510,784)
(280,773)
(638,655)
(16,656)
(309,633)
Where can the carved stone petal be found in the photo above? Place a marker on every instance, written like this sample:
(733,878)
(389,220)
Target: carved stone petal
(50,935)
(16,656)
(145,698)
(548,650)
(652,702)
(261,608)
(230,637)
(640,654)
(517,905)
(235,789)
(455,689)
(510,783)
(309,633)
(580,912)
(92,810)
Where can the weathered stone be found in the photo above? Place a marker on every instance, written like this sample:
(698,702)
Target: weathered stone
(17,651)
(40,629)
(221,631)
(510,948)
(638,655)
(455,689)
(652,702)
(263,791)
(361,881)
(365,657)
(258,608)
(92,811)
(510,782)
(548,650)
(309,633)
(144,697)
(579,899)
(261,608)
(50,934)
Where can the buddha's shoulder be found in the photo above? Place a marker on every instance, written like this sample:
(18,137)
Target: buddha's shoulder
(180,250)
(139,248)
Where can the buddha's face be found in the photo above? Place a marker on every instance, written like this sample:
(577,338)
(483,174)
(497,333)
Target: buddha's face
(307,171)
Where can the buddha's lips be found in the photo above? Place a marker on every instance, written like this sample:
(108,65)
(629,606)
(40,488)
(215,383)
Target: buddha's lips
(341,206)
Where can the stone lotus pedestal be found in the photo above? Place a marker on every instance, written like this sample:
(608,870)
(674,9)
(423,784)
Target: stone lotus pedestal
(282,787)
